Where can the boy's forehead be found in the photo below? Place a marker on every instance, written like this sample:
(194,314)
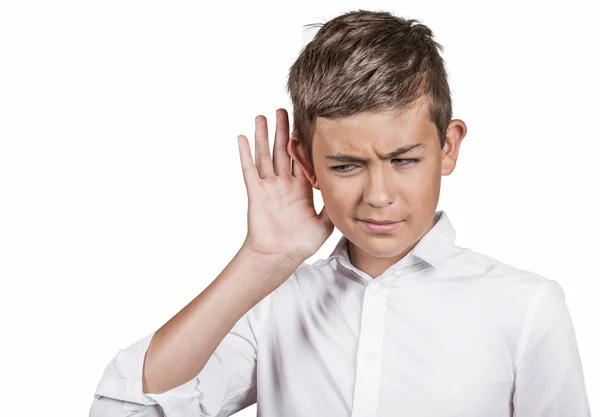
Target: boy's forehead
(383,129)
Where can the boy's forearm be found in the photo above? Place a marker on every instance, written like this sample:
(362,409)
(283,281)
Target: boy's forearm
(181,347)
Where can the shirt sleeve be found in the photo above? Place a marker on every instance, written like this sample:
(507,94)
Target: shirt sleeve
(226,384)
(106,406)
(549,379)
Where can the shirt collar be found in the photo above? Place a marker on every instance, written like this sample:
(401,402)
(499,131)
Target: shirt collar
(435,247)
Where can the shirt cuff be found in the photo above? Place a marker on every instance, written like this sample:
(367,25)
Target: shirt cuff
(122,380)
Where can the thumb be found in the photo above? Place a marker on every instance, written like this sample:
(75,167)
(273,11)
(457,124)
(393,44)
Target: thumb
(324,219)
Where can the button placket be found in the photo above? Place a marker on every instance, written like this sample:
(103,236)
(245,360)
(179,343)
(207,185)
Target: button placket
(368,372)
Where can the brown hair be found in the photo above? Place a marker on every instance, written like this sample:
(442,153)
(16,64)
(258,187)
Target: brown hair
(367,61)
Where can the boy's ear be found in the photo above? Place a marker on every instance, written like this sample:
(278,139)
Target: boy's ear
(302,165)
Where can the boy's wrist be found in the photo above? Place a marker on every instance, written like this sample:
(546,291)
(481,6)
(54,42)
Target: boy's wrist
(276,261)
(261,273)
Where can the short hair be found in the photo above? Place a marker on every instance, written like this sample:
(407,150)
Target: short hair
(367,61)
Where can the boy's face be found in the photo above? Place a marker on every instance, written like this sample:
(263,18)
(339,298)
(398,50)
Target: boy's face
(394,189)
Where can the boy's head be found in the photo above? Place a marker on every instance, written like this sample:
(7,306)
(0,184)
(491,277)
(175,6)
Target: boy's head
(367,84)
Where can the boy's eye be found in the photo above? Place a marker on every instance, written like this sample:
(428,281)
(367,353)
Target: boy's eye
(344,168)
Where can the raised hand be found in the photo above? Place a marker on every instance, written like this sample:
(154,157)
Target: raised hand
(282,219)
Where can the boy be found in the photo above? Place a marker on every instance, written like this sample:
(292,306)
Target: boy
(397,321)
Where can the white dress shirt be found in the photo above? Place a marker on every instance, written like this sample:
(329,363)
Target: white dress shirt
(443,332)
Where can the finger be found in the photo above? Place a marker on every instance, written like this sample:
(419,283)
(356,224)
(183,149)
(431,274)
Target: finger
(324,216)
(326,220)
(262,152)
(281,159)
(248,168)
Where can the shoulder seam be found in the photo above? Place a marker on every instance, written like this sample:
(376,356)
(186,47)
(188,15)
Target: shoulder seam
(532,309)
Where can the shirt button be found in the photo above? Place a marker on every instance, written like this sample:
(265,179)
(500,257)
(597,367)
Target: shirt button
(375,288)
(369,356)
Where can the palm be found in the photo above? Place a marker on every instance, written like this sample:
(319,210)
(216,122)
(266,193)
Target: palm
(282,219)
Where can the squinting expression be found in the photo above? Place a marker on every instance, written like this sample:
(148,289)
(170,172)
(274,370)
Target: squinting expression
(383,167)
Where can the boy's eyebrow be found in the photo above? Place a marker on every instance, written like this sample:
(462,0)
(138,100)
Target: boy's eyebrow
(400,151)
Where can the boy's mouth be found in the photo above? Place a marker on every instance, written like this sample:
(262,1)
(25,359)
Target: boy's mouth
(380,221)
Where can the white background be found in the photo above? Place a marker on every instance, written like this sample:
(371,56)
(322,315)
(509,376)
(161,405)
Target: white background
(121,191)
